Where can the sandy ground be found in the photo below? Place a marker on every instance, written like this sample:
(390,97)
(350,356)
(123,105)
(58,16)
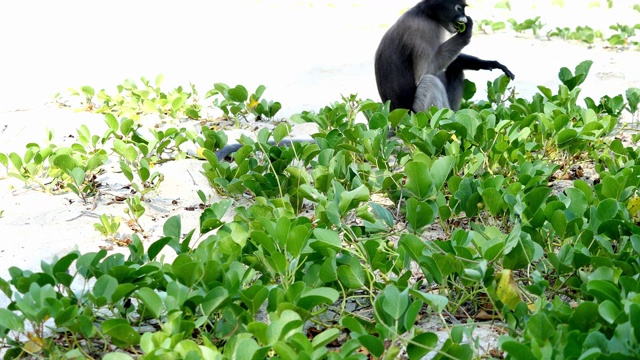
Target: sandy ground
(307,55)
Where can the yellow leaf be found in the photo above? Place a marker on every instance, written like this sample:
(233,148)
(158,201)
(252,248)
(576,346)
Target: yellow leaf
(634,208)
(34,345)
(507,290)
(252,103)
(200,152)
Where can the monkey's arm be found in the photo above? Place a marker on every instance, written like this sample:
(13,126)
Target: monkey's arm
(449,50)
(468,62)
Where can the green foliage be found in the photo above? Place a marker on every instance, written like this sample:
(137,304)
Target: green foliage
(559,269)
(533,24)
(237,101)
(584,34)
(135,209)
(132,100)
(623,36)
(108,226)
(485,25)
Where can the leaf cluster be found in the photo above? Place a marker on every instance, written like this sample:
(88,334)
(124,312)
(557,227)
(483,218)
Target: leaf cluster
(333,256)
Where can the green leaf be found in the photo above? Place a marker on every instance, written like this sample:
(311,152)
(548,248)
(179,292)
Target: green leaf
(396,116)
(88,90)
(395,303)
(259,330)
(157,246)
(584,317)
(63,264)
(151,300)
(16,160)
(609,311)
(77,174)
(546,92)
(412,313)
(121,332)
(324,338)
(209,221)
(354,325)
(420,213)
(127,151)
(284,351)
(117,356)
(469,86)
(66,164)
(583,69)
(105,286)
(565,137)
(603,290)
(539,327)
(351,199)
(187,270)
(214,299)
(352,275)
(318,296)
(241,348)
(5,288)
(383,214)
(559,222)
(372,344)
(259,91)
(440,170)
(172,227)
(421,344)
(419,180)
(126,126)
(297,239)
(329,268)
(239,93)
(11,321)
(437,302)
(288,323)
(518,351)
(326,239)
(177,103)
(281,131)
(254,297)
(111,121)
(535,198)
(493,198)
(192,113)
(607,209)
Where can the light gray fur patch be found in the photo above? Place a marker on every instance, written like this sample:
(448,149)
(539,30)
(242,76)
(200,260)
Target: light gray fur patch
(430,92)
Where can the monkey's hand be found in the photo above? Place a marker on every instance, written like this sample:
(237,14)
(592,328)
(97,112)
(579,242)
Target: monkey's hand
(496,65)
(506,71)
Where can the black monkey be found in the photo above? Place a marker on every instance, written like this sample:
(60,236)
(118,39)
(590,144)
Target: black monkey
(416,68)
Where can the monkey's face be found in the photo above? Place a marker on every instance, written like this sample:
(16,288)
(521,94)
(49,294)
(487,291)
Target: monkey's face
(448,12)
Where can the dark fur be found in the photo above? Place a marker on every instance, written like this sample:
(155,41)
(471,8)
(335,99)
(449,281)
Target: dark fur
(415,66)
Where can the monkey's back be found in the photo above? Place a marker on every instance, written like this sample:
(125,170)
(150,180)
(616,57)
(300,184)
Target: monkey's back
(401,58)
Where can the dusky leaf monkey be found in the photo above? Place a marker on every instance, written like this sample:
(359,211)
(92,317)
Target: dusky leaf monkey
(417,67)
(417,64)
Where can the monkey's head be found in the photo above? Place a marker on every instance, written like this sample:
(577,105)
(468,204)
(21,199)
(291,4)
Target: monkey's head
(446,12)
